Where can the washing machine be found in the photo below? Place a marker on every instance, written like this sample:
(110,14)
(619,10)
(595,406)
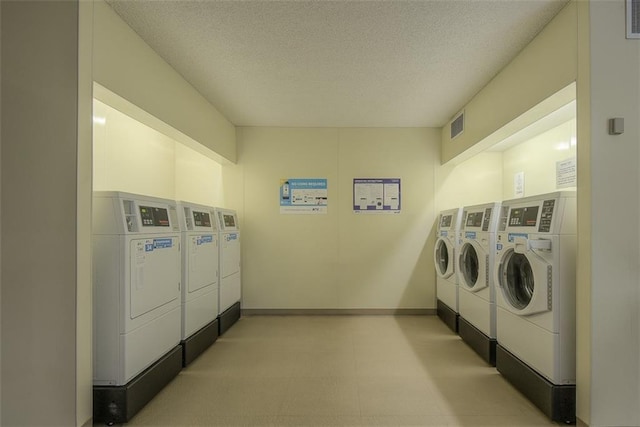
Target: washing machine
(445,253)
(230,283)
(136,301)
(199,279)
(476,291)
(535,274)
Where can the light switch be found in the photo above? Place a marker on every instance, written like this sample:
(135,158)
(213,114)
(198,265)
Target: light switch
(616,126)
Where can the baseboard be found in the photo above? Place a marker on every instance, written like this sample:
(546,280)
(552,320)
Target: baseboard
(336,311)
(581,423)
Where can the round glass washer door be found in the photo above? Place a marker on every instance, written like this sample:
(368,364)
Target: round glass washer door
(469,265)
(516,279)
(442,259)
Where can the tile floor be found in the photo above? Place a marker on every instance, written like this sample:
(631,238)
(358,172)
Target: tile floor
(339,371)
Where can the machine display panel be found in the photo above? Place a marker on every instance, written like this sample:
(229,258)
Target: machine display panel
(154,217)
(445,221)
(523,217)
(229,220)
(487,219)
(474,219)
(201,219)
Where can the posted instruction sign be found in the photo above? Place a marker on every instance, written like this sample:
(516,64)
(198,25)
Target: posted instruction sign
(303,196)
(376,195)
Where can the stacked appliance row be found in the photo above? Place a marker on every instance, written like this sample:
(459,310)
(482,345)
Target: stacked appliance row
(166,284)
(506,284)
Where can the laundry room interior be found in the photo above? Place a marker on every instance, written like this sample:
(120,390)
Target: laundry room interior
(157,142)
(328,259)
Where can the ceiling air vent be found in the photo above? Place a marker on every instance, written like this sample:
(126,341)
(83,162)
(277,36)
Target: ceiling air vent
(633,19)
(457,124)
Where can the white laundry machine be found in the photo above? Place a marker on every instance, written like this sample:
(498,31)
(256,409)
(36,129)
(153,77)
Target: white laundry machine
(535,274)
(136,301)
(199,279)
(476,291)
(230,283)
(445,253)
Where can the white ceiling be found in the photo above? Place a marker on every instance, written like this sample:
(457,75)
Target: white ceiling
(343,63)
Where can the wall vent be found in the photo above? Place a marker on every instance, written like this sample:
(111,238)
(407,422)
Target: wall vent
(633,19)
(457,124)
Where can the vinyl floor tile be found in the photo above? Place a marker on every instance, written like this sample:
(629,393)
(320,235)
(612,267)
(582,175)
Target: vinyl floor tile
(339,371)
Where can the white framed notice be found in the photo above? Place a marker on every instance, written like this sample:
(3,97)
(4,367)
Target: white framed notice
(377,195)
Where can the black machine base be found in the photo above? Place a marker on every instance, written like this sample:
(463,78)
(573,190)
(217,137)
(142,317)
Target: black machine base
(558,402)
(197,343)
(447,315)
(229,317)
(479,342)
(118,404)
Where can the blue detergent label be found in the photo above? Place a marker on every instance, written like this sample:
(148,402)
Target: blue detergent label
(512,236)
(162,243)
(470,235)
(203,240)
(232,236)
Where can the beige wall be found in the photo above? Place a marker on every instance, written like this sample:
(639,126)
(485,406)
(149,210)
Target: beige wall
(545,66)
(84,301)
(608,328)
(537,158)
(339,260)
(476,180)
(127,66)
(44,103)
(133,157)
(488,176)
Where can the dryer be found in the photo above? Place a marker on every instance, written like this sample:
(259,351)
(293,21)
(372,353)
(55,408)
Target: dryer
(476,291)
(136,301)
(445,253)
(535,274)
(199,279)
(230,274)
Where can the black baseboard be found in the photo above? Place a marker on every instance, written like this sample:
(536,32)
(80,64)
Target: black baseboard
(479,342)
(118,404)
(558,402)
(229,317)
(197,343)
(447,315)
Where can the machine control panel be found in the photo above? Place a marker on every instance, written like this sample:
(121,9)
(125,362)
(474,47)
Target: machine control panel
(487,219)
(154,217)
(228,220)
(201,219)
(445,221)
(524,217)
(474,219)
(546,216)
(504,214)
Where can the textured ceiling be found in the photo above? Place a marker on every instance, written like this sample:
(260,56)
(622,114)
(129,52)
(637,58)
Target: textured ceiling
(338,63)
